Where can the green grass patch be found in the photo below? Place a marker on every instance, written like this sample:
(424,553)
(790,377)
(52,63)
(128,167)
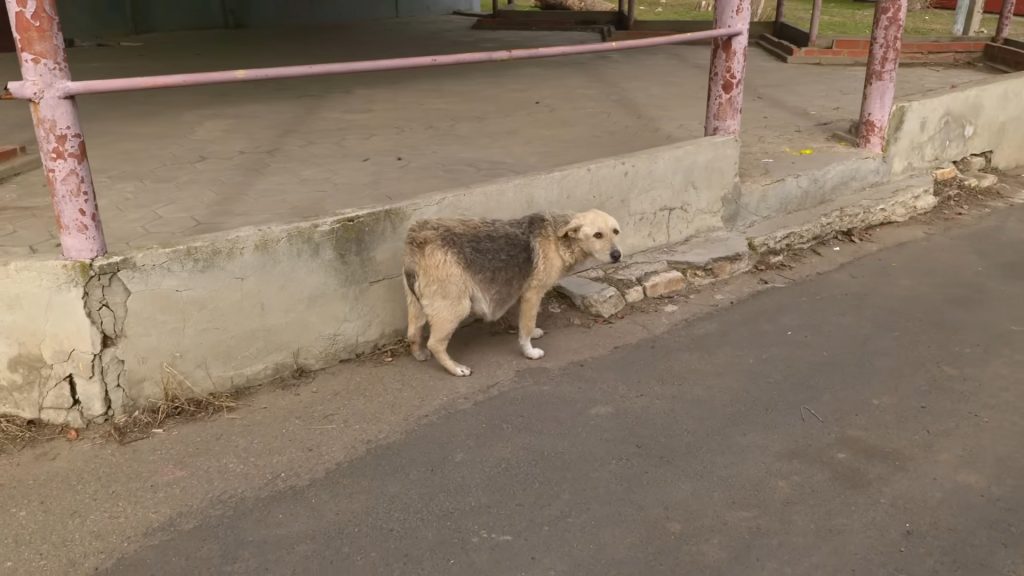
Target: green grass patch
(838,17)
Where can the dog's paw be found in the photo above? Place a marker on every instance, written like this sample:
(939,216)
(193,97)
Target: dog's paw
(538,333)
(533,353)
(422,355)
(460,370)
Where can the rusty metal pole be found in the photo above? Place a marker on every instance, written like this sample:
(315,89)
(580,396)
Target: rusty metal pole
(815,21)
(780,9)
(630,14)
(728,67)
(44,65)
(1005,18)
(880,80)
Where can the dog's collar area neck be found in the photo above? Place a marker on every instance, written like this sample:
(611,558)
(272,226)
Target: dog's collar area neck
(572,253)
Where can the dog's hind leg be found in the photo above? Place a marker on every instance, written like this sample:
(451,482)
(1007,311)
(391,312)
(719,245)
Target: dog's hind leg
(417,320)
(529,306)
(443,323)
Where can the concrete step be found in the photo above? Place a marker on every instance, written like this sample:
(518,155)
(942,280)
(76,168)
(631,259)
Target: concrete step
(773,50)
(891,202)
(820,178)
(704,260)
(16,160)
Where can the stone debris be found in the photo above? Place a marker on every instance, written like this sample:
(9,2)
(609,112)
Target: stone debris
(592,297)
(974,163)
(945,174)
(637,270)
(658,284)
(633,294)
(980,180)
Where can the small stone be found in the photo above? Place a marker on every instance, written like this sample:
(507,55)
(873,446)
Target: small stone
(729,267)
(638,270)
(980,180)
(986,180)
(633,294)
(973,163)
(592,274)
(944,174)
(670,308)
(659,284)
(592,297)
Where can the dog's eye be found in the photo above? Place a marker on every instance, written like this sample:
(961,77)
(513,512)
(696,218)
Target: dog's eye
(598,235)
(615,231)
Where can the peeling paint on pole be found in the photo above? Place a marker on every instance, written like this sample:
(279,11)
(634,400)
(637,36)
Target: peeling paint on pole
(815,23)
(44,66)
(880,80)
(728,67)
(1005,18)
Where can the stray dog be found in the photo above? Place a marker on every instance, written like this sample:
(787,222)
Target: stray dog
(458,267)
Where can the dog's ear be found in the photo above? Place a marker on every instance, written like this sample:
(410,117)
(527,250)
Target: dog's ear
(570,230)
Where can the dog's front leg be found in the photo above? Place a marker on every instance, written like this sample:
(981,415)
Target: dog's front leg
(529,305)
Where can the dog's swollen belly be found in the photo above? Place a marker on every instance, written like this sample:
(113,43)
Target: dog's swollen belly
(488,309)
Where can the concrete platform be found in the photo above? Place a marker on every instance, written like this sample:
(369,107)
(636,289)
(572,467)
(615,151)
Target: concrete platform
(175,164)
(256,230)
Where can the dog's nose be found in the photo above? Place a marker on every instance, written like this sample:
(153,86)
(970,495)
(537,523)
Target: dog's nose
(616,255)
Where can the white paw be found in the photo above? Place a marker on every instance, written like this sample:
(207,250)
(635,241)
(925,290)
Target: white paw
(533,353)
(538,333)
(461,370)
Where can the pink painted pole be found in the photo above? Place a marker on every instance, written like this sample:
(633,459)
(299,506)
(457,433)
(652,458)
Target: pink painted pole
(29,90)
(815,21)
(880,80)
(1005,18)
(728,67)
(43,60)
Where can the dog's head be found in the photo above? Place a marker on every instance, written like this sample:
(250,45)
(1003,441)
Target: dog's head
(596,233)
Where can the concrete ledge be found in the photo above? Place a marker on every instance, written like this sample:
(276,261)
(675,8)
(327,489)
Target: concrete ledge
(970,119)
(239,309)
(810,188)
(723,255)
(894,202)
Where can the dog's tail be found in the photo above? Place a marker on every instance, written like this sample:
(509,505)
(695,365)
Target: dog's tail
(410,283)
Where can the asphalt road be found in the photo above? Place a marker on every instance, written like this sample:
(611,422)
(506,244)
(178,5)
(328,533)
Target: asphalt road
(700,451)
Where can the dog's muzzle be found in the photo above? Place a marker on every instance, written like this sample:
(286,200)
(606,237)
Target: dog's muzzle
(616,255)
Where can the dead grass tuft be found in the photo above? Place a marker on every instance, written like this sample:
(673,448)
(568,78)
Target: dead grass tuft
(181,401)
(16,433)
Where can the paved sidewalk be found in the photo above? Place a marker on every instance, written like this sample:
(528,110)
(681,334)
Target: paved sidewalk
(867,421)
(173,164)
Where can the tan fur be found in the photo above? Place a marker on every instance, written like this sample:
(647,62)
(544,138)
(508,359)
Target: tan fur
(453,280)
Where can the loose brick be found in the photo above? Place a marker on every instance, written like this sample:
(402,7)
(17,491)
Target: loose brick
(633,294)
(944,174)
(660,284)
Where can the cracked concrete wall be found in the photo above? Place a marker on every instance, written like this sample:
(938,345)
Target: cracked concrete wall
(242,308)
(51,345)
(970,119)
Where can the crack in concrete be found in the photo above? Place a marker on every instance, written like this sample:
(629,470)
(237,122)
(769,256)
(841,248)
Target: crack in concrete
(100,395)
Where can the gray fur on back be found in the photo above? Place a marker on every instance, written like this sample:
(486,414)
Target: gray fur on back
(498,254)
